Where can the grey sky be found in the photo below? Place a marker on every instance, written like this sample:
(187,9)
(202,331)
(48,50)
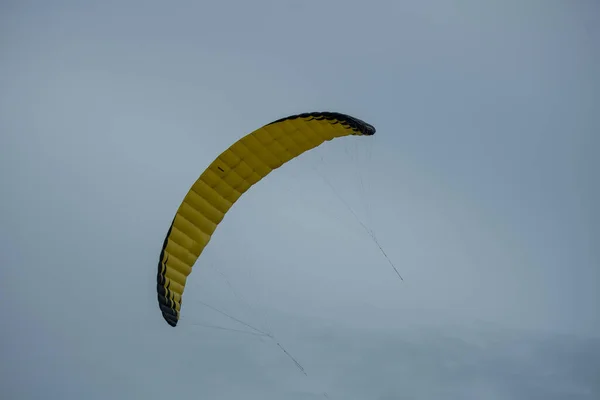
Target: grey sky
(480,185)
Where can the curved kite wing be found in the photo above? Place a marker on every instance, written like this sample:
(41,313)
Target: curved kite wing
(230,175)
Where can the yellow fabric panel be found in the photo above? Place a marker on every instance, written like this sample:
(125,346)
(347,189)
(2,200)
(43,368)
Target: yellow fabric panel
(229,176)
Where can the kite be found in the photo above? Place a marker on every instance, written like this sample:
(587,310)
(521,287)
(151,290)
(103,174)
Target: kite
(230,175)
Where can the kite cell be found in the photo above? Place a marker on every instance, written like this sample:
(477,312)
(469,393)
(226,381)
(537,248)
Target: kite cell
(229,176)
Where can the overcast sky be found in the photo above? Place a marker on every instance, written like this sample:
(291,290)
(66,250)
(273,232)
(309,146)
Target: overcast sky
(480,185)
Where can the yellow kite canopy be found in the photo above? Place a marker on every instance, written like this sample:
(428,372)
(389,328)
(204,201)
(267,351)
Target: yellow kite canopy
(230,175)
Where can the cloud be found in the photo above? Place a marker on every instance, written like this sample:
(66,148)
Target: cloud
(480,185)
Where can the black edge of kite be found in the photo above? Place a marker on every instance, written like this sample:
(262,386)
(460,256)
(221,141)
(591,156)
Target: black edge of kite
(165,303)
(354,123)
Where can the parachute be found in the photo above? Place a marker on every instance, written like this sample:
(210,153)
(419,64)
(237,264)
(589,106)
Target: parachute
(230,175)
